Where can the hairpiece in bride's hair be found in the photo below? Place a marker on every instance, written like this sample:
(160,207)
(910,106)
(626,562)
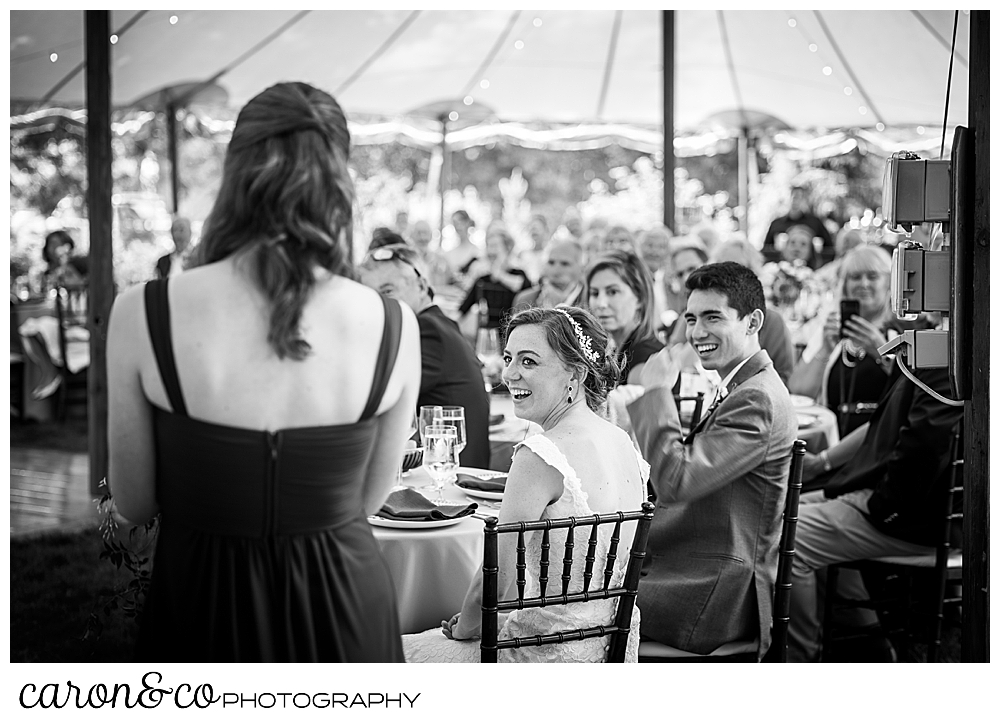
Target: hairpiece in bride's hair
(584,340)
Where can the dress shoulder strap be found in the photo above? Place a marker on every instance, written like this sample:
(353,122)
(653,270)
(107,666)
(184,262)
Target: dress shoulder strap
(392,331)
(158,324)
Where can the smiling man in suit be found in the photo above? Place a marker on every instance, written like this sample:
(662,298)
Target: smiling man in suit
(712,555)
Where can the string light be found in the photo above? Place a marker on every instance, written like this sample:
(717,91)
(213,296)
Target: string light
(880,126)
(518,44)
(920,130)
(848,91)
(54,57)
(453,116)
(537,22)
(862,110)
(484,84)
(114,39)
(813,47)
(173,19)
(827,70)
(791,22)
(467,100)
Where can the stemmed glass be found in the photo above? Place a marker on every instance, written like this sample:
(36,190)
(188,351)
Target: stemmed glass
(429,414)
(488,351)
(411,430)
(455,417)
(440,458)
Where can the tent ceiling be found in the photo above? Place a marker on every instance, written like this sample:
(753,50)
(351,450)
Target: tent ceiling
(556,76)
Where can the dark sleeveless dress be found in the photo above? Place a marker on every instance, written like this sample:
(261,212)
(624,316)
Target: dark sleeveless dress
(264,551)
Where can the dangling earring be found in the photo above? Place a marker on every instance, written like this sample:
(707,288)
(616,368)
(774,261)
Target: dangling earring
(569,397)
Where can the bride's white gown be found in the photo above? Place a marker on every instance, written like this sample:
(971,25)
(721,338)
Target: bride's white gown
(431,646)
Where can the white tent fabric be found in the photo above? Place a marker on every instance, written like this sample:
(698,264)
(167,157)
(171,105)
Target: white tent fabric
(812,70)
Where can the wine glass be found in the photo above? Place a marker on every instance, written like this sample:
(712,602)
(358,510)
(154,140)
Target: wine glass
(488,351)
(429,414)
(439,457)
(455,417)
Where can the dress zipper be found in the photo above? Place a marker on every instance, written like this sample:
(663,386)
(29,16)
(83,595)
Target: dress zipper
(271,504)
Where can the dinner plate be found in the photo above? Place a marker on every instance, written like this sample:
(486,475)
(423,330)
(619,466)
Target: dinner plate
(412,524)
(800,402)
(483,474)
(806,420)
(480,494)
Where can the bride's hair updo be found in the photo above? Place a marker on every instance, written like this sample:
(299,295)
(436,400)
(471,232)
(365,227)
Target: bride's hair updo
(286,198)
(580,343)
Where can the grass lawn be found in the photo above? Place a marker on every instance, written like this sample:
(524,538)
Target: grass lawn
(56,582)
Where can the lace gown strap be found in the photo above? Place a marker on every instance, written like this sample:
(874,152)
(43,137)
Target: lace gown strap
(158,324)
(553,456)
(386,362)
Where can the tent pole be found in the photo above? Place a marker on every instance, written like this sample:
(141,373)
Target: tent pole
(976,497)
(171,110)
(100,285)
(669,161)
(445,170)
(743,177)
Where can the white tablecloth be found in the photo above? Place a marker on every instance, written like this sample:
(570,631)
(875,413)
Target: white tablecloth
(432,568)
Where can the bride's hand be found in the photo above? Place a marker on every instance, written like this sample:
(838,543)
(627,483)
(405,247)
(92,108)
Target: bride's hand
(454,630)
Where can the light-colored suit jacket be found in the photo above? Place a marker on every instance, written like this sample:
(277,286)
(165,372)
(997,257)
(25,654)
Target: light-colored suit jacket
(712,554)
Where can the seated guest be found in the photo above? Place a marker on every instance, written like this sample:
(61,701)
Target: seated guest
(561,281)
(653,247)
(173,263)
(497,280)
(63,270)
(775,338)
(847,374)
(882,490)
(557,363)
(620,295)
(383,236)
(712,554)
(461,257)
(451,372)
(799,249)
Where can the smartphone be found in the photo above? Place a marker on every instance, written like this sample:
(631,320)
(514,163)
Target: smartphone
(848,308)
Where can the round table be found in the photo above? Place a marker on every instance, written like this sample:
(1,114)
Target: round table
(432,568)
(817,424)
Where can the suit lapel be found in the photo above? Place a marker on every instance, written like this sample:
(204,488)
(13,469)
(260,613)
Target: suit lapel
(754,365)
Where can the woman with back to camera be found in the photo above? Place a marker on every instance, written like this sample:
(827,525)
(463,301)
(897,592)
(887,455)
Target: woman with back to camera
(620,295)
(259,403)
(846,374)
(559,372)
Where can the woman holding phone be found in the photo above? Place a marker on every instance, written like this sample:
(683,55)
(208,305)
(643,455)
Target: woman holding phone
(841,367)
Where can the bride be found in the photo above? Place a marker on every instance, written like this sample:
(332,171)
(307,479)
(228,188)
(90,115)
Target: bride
(559,374)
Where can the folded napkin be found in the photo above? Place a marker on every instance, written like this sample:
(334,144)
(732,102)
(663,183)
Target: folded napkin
(496,484)
(408,504)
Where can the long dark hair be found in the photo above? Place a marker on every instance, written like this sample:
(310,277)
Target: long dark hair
(286,198)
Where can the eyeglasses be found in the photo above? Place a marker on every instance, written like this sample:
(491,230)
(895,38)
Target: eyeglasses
(386,253)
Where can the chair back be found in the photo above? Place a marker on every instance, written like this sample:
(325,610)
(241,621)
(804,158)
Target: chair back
(699,402)
(626,591)
(786,554)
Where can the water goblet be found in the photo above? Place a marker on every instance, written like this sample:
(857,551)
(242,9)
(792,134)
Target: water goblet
(455,417)
(439,457)
(429,414)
